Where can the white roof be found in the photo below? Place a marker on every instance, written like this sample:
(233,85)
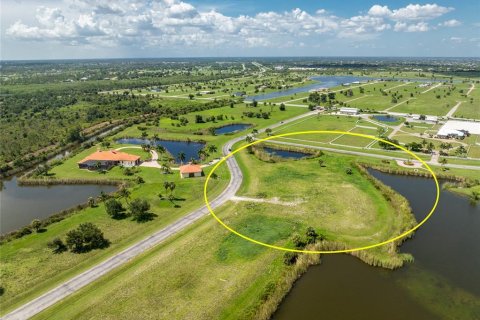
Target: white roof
(447,132)
(345,109)
(471,126)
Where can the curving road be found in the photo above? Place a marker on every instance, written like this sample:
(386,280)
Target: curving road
(76,283)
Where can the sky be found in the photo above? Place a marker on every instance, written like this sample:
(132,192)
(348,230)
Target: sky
(75,29)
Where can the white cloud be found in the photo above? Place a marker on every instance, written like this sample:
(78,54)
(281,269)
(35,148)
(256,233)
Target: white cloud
(450,23)
(410,12)
(167,23)
(415,27)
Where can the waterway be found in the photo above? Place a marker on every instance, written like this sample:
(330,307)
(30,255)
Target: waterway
(442,283)
(19,205)
(189,148)
(285,153)
(232,128)
(385,118)
(322,82)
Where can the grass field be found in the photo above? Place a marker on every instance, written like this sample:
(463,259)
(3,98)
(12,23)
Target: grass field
(171,280)
(29,268)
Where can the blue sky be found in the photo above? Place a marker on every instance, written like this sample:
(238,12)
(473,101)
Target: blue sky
(53,29)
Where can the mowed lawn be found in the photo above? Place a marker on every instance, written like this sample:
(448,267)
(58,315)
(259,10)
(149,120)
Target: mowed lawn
(207,272)
(428,103)
(471,107)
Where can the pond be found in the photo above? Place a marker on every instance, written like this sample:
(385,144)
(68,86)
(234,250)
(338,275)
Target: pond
(19,205)
(447,264)
(285,153)
(190,149)
(324,82)
(385,118)
(232,128)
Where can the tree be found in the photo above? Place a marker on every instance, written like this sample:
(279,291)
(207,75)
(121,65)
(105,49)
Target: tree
(191,96)
(443,161)
(124,193)
(85,238)
(36,225)
(181,156)
(57,246)
(212,148)
(311,234)
(91,202)
(139,210)
(349,171)
(166,185)
(161,149)
(114,209)
(321,162)
(268,131)
(282,107)
(172,187)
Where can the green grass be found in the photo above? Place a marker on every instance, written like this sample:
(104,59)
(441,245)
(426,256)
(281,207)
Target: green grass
(28,267)
(205,272)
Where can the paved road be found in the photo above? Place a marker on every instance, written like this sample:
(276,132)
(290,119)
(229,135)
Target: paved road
(76,283)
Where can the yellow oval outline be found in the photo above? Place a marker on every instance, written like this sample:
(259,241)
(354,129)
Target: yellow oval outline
(317,251)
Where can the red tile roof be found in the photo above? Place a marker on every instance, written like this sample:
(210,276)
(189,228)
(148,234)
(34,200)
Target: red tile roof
(110,155)
(190,168)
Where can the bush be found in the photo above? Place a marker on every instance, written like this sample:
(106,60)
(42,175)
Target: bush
(57,246)
(36,224)
(114,209)
(349,171)
(311,234)
(85,238)
(289,258)
(139,210)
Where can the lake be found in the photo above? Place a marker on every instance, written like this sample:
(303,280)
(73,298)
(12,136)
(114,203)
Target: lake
(385,118)
(285,153)
(19,205)
(232,128)
(324,82)
(173,147)
(447,265)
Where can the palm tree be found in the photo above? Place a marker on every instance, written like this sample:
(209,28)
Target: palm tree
(249,139)
(212,148)
(166,168)
(166,185)
(124,193)
(161,149)
(181,156)
(172,187)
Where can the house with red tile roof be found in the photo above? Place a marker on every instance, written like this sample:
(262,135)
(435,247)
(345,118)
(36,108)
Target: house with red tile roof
(190,170)
(107,159)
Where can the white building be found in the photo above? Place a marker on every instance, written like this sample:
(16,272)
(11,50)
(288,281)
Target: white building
(458,129)
(349,111)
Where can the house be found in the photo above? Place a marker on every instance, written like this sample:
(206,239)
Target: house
(239,94)
(191,170)
(108,159)
(349,111)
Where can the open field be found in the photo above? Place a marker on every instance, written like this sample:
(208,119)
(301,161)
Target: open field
(21,256)
(239,275)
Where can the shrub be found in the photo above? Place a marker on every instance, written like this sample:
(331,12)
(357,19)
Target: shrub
(114,209)
(57,246)
(289,258)
(36,224)
(139,210)
(85,238)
